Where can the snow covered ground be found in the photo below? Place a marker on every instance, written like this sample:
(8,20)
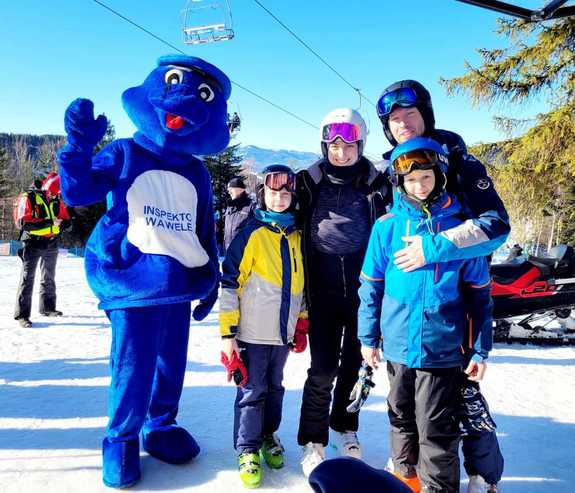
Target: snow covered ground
(54,378)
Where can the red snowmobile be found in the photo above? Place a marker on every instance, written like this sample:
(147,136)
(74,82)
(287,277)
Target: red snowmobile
(538,289)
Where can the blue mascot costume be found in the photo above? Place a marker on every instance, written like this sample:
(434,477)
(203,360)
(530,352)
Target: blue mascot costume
(154,250)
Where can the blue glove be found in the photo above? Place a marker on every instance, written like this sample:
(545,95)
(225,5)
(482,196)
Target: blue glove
(206,304)
(83,130)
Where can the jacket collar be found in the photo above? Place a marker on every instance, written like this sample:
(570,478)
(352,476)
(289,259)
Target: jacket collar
(447,205)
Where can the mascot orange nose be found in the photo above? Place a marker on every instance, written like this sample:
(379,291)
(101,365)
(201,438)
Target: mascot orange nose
(174,122)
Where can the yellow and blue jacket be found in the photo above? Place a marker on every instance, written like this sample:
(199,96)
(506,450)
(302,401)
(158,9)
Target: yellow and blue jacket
(262,283)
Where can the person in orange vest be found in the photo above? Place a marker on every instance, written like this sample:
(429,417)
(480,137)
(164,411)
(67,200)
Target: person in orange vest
(41,215)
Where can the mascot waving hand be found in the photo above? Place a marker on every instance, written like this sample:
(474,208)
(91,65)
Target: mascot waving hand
(154,250)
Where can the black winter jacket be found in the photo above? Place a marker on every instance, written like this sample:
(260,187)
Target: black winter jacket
(329,274)
(237,213)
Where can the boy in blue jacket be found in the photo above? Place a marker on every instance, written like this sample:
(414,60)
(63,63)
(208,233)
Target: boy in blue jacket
(421,318)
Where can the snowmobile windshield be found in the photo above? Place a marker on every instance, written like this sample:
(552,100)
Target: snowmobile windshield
(404,97)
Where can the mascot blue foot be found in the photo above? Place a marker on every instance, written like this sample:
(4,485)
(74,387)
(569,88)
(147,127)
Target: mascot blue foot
(121,463)
(173,445)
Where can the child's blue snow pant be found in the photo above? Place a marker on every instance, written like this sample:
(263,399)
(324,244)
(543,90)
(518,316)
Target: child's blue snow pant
(258,406)
(148,362)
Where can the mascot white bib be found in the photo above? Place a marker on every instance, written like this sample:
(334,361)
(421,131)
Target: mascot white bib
(162,209)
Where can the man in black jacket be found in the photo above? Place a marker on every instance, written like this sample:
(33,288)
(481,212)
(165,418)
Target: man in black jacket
(240,209)
(339,197)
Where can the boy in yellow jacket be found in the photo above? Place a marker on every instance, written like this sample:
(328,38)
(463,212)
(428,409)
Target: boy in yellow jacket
(261,318)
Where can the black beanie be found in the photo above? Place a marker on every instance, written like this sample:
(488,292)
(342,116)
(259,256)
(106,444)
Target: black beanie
(236,182)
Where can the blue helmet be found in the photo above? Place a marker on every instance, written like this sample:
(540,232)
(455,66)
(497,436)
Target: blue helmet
(437,153)
(419,153)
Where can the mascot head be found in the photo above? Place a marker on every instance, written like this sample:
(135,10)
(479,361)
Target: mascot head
(181,106)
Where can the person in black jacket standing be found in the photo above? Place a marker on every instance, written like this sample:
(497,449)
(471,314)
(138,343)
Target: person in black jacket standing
(240,209)
(340,197)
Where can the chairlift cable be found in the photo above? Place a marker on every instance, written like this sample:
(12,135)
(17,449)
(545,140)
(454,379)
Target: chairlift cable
(135,24)
(313,51)
(138,26)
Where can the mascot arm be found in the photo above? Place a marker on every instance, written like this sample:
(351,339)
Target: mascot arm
(205,226)
(205,230)
(86,179)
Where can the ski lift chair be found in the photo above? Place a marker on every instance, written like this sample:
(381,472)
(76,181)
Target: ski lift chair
(234,123)
(206,21)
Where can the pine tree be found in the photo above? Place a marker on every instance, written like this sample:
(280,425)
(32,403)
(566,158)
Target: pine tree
(223,167)
(7,185)
(540,164)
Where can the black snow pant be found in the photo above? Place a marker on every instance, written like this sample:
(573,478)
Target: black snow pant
(31,255)
(423,406)
(335,353)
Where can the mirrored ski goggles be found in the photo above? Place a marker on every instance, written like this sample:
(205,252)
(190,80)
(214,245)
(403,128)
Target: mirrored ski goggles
(280,179)
(404,97)
(420,159)
(348,132)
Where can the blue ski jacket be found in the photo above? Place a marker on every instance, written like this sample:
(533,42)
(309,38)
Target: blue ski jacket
(487,224)
(422,316)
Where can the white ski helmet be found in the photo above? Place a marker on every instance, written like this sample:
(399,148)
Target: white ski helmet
(355,132)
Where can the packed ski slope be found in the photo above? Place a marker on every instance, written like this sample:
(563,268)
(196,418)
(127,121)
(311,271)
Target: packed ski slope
(53,386)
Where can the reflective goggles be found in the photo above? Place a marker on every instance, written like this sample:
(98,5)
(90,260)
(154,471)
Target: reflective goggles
(280,179)
(348,132)
(420,159)
(404,97)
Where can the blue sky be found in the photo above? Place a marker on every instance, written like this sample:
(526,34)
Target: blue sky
(53,52)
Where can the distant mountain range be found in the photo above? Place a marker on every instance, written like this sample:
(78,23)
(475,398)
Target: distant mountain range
(253,156)
(258,158)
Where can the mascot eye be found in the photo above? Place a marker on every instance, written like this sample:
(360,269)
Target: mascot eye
(174,76)
(205,92)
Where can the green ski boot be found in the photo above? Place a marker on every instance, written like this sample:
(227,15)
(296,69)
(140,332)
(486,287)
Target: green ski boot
(273,451)
(250,469)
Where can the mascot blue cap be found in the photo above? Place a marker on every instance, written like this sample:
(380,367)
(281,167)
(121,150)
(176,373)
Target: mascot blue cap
(181,106)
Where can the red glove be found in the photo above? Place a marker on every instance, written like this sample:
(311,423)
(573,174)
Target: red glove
(299,342)
(236,369)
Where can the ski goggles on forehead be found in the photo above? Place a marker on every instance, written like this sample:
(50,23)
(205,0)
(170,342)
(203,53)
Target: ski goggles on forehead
(279,180)
(404,97)
(420,159)
(348,132)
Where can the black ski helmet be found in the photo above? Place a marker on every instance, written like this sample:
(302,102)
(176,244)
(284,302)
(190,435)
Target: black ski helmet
(274,168)
(423,104)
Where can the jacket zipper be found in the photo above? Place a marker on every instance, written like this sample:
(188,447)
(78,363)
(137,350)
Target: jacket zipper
(294,260)
(342,258)
(436,276)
